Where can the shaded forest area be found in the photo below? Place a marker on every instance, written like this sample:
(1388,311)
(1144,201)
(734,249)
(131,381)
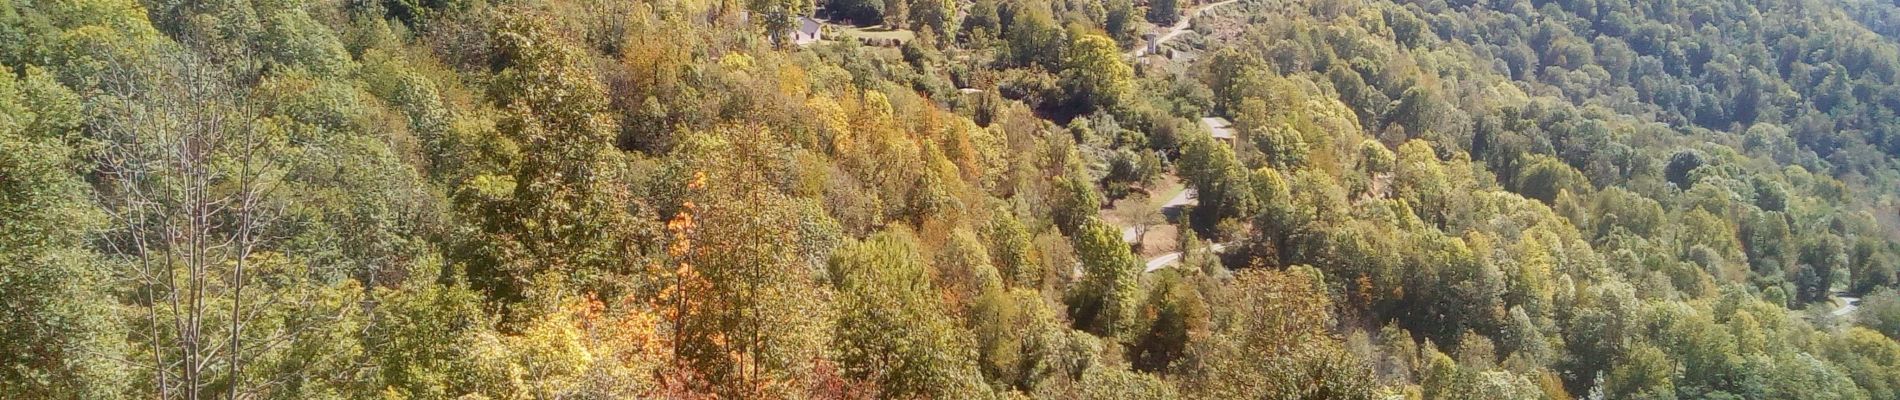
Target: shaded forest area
(603,199)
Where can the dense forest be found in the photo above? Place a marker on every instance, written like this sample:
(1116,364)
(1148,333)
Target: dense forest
(853,199)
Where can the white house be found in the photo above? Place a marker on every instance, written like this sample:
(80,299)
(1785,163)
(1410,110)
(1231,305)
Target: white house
(808,31)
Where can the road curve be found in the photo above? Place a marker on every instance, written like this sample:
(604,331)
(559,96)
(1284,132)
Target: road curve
(1848,305)
(1179,26)
(1164,260)
(1156,263)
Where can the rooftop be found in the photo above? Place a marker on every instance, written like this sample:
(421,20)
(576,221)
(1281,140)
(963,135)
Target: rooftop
(808,25)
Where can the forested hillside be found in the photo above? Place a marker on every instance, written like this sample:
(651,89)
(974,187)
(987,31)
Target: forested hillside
(949,199)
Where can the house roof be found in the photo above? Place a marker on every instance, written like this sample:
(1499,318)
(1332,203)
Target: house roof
(808,25)
(1220,127)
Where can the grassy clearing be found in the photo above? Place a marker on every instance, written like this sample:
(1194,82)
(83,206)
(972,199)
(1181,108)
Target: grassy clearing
(877,32)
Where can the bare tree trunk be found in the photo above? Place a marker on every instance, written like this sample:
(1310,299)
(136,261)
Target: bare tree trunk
(237,268)
(165,136)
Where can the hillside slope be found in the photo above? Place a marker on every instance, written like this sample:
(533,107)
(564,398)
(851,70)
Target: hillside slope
(673,199)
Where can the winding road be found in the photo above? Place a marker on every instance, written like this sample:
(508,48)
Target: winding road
(1130,234)
(1160,261)
(1164,260)
(1179,201)
(1179,26)
(1848,305)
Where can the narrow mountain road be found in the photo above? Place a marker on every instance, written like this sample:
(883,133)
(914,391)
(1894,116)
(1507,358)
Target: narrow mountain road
(1158,262)
(1848,305)
(1180,200)
(1165,260)
(1179,26)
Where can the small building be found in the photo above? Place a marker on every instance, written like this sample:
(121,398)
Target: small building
(1221,128)
(808,31)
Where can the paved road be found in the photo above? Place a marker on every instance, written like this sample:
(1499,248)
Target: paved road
(1851,304)
(1180,199)
(1160,261)
(1164,260)
(1179,26)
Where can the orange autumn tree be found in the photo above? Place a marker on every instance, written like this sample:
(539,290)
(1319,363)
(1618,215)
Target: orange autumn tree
(745,313)
(683,293)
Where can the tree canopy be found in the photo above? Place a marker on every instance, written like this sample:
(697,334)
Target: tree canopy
(949,199)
